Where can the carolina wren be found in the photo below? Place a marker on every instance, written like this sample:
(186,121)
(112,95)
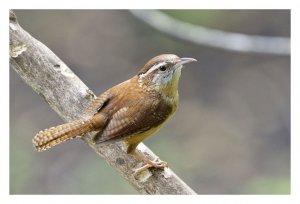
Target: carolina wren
(130,111)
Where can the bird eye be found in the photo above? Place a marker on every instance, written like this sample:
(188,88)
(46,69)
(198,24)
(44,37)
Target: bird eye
(162,68)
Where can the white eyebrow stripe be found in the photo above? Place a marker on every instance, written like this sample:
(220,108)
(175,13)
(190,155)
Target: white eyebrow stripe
(152,69)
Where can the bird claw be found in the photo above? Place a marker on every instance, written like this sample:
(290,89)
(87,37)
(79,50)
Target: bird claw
(160,164)
(157,164)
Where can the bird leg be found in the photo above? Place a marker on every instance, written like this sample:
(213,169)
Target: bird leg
(157,163)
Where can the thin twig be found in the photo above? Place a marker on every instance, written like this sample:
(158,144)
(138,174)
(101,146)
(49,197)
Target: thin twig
(212,37)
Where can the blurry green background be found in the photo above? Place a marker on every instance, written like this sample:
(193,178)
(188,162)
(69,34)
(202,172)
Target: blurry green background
(230,135)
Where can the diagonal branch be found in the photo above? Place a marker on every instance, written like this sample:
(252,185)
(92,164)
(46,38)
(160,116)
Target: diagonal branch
(214,38)
(67,95)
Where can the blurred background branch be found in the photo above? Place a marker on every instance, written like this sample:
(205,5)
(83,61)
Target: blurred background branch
(212,37)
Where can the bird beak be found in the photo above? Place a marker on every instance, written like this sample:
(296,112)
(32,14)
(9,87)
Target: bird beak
(185,61)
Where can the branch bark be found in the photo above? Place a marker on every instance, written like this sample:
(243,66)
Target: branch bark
(67,95)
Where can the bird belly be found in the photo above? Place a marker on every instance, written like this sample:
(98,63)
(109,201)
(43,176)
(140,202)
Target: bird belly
(137,138)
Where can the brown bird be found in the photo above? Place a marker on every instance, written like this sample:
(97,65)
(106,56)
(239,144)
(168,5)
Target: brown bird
(130,111)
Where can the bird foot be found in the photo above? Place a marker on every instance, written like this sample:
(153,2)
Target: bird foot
(157,164)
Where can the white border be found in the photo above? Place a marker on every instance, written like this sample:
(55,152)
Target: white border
(134,4)
(153,4)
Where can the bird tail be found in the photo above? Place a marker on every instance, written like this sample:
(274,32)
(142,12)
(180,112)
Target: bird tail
(53,136)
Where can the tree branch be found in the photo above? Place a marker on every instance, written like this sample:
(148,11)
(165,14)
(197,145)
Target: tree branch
(67,95)
(214,38)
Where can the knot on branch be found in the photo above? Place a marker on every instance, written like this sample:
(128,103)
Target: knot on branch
(16,50)
(12,17)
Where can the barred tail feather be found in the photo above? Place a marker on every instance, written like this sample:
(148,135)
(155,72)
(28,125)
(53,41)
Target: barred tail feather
(53,136)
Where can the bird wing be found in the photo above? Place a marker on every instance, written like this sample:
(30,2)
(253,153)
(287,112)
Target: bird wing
(135,118)
(98,103)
